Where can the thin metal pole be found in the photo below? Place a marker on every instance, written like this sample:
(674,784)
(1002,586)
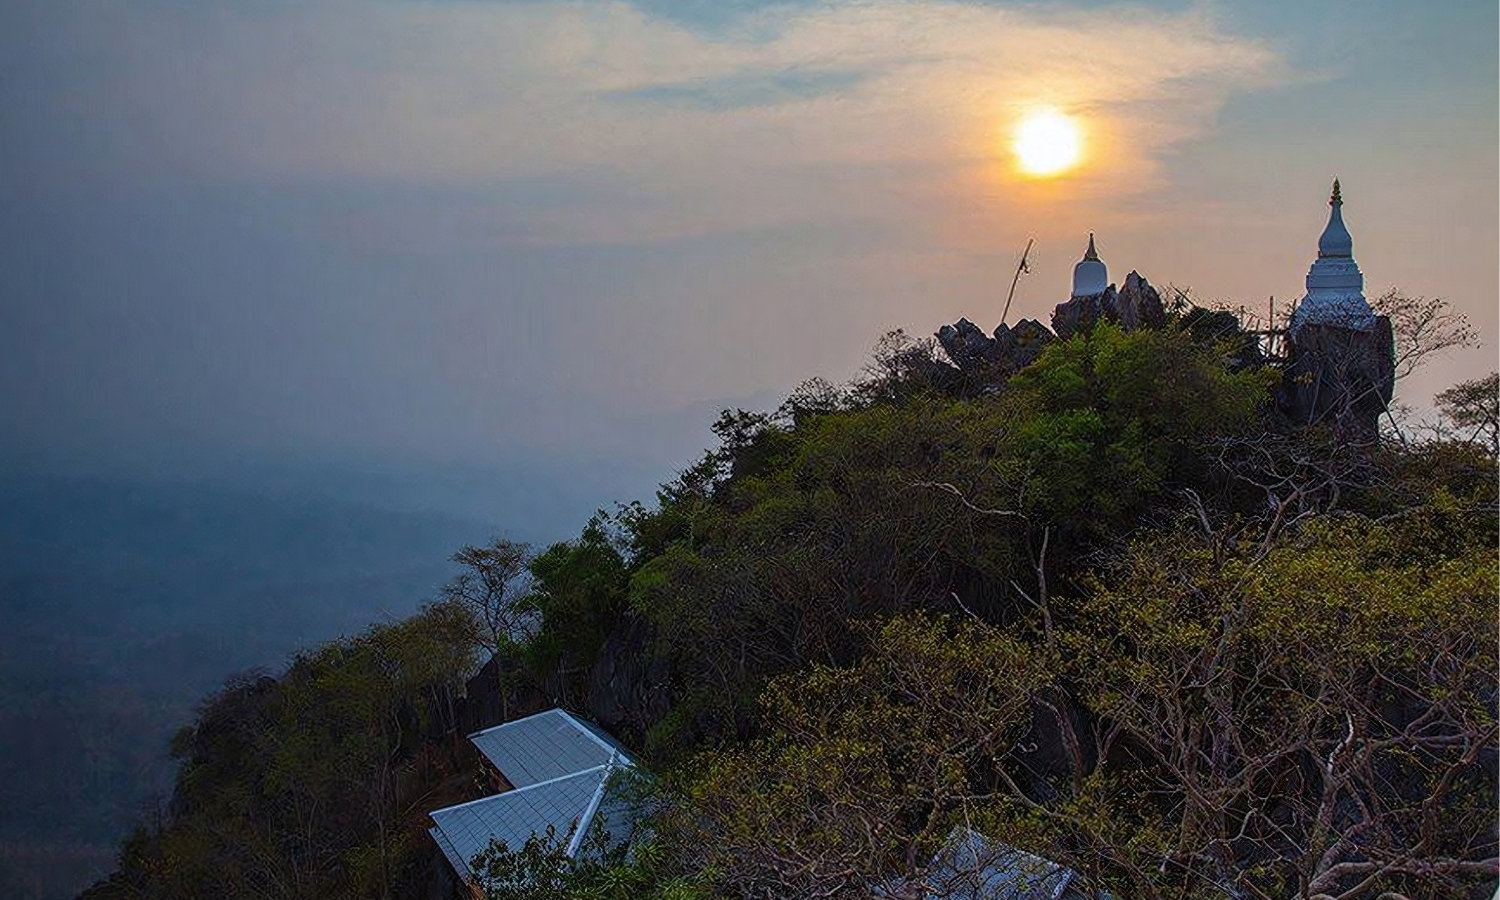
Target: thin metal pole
(1019,269)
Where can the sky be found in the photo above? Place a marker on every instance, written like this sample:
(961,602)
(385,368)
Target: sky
(454,235)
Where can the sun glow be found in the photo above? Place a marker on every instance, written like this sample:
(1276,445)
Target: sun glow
(1047,142)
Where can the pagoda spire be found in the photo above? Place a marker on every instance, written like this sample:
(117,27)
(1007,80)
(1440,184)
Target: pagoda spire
(1090,276)
(1335,286)
(1336,241)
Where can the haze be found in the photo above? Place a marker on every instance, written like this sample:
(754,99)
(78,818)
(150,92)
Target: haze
(405,235)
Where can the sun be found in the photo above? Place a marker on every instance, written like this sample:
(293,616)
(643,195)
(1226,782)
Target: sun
(1047,142)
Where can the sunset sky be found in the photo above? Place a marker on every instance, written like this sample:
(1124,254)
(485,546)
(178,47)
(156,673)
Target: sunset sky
(405,233)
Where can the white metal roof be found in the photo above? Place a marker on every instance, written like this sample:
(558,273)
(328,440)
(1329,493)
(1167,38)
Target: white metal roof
(560,767)
(970,866)
(545,746)
(566,804)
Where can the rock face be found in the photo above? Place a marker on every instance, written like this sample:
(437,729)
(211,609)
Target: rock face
(1136,306)
(969,347)
(1343,376)
(629,685)
(502,691)
(1020,346)
(1080,314)
(987,361)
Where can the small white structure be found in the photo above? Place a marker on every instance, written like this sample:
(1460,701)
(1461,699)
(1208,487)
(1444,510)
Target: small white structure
(561,768)
(1090,277)
(1335,286)
(970,866)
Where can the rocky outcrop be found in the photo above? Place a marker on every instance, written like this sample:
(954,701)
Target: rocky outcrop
(629,686)
(967,346)
(1078,315)
(1020,346)
(1135,306)
(500,692)
(1344,376)
(1138,305)
(988,360)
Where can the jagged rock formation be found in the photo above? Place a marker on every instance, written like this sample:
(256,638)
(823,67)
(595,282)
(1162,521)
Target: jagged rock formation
(629,685)
(1136,306)
(1078,315)
(987,361)
(501,691)
(1344,376)
(967,346)
(1020,346)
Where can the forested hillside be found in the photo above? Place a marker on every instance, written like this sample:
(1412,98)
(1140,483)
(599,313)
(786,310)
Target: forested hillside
(124,602)
(1113,609)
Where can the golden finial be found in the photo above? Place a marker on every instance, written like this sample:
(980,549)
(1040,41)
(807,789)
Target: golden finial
(1337,198)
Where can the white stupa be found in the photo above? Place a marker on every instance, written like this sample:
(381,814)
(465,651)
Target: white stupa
(1335,287)
(1089,276)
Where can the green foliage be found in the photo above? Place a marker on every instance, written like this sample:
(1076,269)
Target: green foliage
(1109,614)
(838,509)
(1108,419)
(541,870)
(294,787)
(1272,697)
(578,591)
(862,770)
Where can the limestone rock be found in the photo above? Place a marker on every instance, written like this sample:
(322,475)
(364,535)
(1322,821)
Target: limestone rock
(985,361)
(1344,376)
(967,346)
(629,685)
(501,692)
(1138,305)
(1021,345)
(1080,314)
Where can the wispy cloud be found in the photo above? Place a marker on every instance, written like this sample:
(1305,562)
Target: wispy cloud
(748,90)
(790,114)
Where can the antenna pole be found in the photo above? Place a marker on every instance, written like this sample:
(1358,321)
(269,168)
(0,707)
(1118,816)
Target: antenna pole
(1019,269)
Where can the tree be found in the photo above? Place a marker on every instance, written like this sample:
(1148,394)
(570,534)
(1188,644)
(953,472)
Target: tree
(1473,407)
(1313,722)
(862,770)
(309,785)
(1422,327)
(578,591)
(493,587)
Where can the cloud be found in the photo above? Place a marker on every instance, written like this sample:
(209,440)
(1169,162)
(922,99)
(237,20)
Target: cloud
(746,91)
(871,112)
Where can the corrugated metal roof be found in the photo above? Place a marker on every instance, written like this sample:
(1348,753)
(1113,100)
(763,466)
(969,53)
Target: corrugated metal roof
(560,767)
(973,867)
(545,746)
(465,830)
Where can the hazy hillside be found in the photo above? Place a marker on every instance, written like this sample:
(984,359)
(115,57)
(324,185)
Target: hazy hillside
(1112,606)
(124,603)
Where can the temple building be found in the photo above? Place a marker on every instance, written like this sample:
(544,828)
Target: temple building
(1335,286)
(1090,277)
(1337,360)
(1340,367)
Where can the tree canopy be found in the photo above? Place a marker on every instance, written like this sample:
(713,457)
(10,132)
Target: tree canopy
(1116,613)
